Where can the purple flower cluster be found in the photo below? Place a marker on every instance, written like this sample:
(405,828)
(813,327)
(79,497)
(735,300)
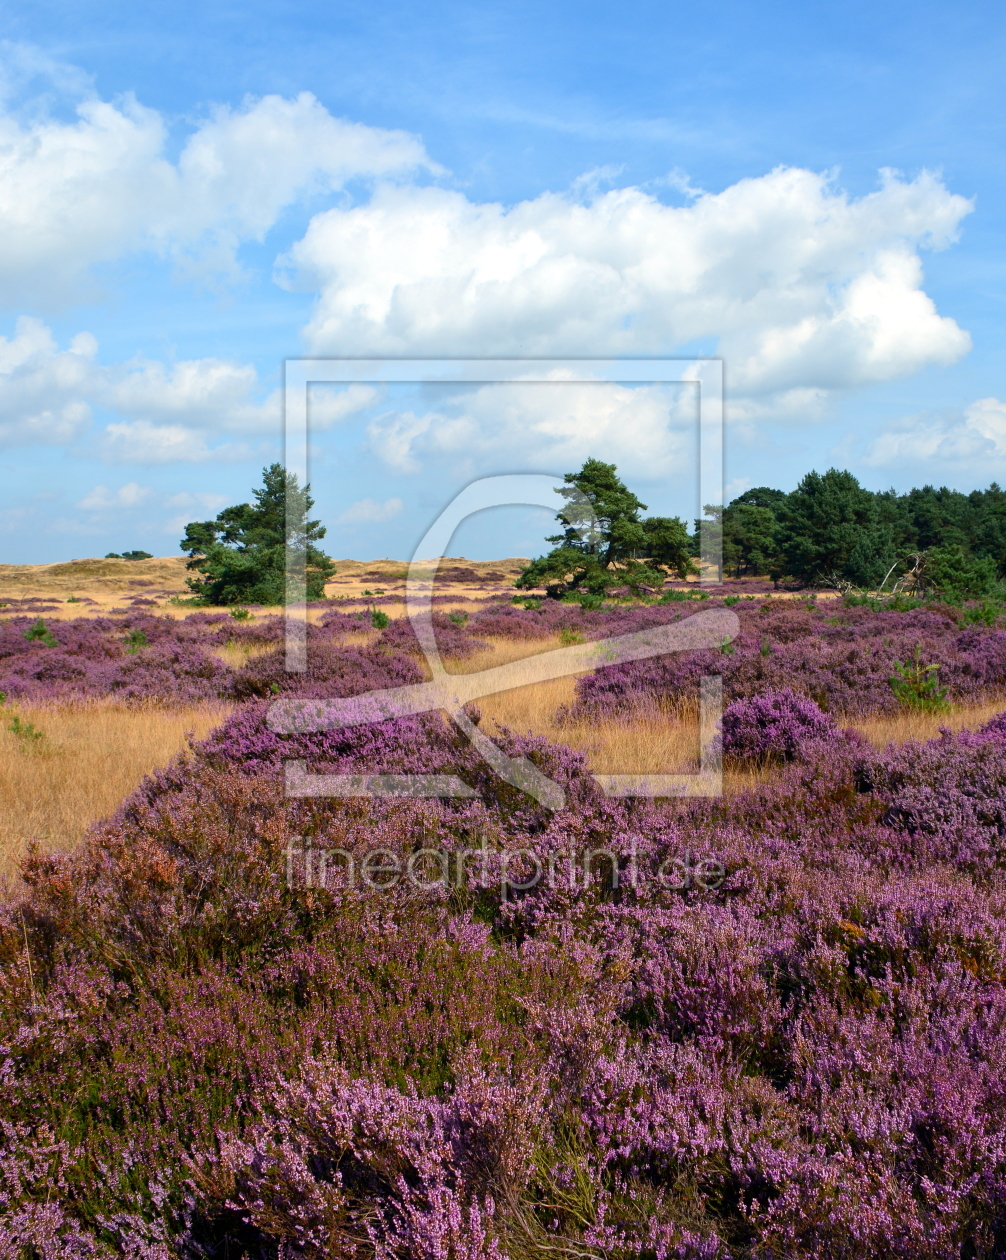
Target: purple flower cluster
(199,1056)
(773,724)
(843,660)
(214,1040)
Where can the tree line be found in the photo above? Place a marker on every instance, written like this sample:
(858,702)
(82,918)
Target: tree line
(829,531)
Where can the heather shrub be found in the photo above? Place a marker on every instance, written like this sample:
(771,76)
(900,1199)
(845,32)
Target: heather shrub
(331,671)
(774,724)
(843,662)
(217,1040)
(649,1068)
(453,638)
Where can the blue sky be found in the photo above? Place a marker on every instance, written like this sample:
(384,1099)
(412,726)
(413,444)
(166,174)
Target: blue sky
(190,194)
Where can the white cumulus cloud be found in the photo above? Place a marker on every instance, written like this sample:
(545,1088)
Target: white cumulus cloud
(804,288)
(199,393)
(331,404)
(370,511)
(647,430)
(972,441)
(47,396)
(42,388)
(102,499)
(140,442)
(73,194)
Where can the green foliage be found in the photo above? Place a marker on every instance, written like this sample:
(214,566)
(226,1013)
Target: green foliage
(917,686)
(585,599)
(135,640)
(731,600)
(379,620)
(129,555)
(73,600)
(955,576)
(601,515)
(241,614)
(830,530)
(766,646)
(241,555)
(987,613)
(668,544)
(880,603)
(569,636)
(673,596)
(565,569)
(459,618)
(603,536)
(39,632)
(25,731)
(750,539)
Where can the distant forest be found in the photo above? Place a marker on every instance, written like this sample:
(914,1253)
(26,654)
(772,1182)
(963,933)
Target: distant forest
(832,531)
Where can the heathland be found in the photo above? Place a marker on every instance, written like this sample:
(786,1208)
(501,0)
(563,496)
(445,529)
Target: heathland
(235,1022)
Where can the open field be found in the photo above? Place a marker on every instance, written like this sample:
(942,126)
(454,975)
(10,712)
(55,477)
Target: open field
(89,758)
(93,754)
(728,1022)
(102,586)
(92,587)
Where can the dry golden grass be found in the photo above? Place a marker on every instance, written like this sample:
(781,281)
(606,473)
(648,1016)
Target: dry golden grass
(664,741)
(500,652)
(94,754)
(909,724)
(237,655)
(91,756)
(654,742)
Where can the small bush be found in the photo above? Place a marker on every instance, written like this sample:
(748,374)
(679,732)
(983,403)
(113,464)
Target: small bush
(379,620)
(569,636)
(987,613)
(135,640)
(918,686)
(39,632)
(241,614)
(24,730)
(774,725)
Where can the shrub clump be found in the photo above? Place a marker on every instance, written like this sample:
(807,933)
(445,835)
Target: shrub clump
(775,724)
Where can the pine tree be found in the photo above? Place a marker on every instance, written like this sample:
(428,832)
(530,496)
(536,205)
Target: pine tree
(830,529)
(603,536)
(242,554)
